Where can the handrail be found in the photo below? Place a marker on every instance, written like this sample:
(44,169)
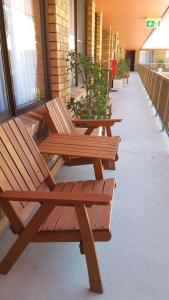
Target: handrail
(157,87)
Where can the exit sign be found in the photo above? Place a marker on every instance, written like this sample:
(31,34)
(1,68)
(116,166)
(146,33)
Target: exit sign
(153,23)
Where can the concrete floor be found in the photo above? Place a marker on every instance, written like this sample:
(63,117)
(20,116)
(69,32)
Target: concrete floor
(135,263)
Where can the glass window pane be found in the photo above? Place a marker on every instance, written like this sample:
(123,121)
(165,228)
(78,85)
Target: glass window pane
(81,26)
(25,49)
(3,96)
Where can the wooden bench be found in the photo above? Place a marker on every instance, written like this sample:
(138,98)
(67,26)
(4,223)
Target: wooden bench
(82,149)
(58,119)
(65,212)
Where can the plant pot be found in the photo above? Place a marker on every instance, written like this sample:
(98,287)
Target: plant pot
(117,83)
(160,70)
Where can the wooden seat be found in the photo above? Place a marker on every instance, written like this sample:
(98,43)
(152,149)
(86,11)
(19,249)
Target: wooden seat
(66,218)
(58,119)
(41,211)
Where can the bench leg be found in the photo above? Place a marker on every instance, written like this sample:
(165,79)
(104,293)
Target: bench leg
(89,249)
(25,238)
(81,248)
(109,164)
(98,168)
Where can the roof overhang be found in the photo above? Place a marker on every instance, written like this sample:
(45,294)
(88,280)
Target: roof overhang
(128,18)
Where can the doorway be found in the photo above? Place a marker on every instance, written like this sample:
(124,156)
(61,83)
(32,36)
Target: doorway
(130,57)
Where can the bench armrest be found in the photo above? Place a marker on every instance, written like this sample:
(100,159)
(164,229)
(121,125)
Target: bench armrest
(57,198)
(96,123)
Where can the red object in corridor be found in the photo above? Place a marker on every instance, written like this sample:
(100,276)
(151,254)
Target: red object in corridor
(114,67)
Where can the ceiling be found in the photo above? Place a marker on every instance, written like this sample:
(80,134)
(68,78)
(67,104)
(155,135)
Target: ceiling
(127,17)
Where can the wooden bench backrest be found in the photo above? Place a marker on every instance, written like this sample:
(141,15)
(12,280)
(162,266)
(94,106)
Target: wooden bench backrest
(21,168)
(60,116)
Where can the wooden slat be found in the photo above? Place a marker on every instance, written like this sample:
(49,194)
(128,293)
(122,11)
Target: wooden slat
(98,189)
(26,150)
(73,223)
(95,139)
(55,214)
(5,185)
(65,115)
(7,172)
(109,187)
(96,213)
(54,117)
(11,165)
(90,187)
(17,160)
(67,212)
(104,217)
(58,110)
(105,144)
(78,146)
(21,153)
(33,148)
(67,151)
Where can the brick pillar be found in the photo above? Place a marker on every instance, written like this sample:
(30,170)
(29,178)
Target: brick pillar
(116,42)
(91,7)
(98,36)
(58,27)
(113,45)
(106,52)
(121,52)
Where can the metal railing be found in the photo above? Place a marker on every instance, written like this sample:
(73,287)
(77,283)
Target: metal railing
(157,87)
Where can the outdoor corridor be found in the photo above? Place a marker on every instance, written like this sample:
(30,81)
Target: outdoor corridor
(135,263)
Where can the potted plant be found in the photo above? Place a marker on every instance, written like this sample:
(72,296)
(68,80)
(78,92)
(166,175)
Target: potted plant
(160,65)
(122,72)
(94,105)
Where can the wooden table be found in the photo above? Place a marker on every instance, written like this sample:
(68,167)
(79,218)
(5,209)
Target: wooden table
(93,147)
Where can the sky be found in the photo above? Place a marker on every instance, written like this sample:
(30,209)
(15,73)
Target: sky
(159,39)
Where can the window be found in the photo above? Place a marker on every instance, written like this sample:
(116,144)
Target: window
(77,31)
(167,54)
(3,96)
(72,25)
(24,53)
(81,26)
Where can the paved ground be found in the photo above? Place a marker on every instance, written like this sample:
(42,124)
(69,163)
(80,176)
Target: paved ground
(135,263)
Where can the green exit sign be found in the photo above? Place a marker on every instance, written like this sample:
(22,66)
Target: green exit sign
(153,23)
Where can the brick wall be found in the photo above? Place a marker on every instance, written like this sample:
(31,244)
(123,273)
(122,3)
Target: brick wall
(106,47)
(91,7)
(98,36)
(106,52)
(159,55)
(58,28)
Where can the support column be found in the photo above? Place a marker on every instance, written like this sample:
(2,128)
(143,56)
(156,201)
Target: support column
(58,28)
(98,36)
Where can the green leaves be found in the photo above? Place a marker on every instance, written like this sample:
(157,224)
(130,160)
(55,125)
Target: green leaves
(122,69)
(95,104)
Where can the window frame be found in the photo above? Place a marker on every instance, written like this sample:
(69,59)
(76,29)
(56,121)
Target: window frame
(76,33)
(12,109)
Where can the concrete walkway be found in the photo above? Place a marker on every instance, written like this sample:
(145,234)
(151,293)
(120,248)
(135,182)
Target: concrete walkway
(135,263)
